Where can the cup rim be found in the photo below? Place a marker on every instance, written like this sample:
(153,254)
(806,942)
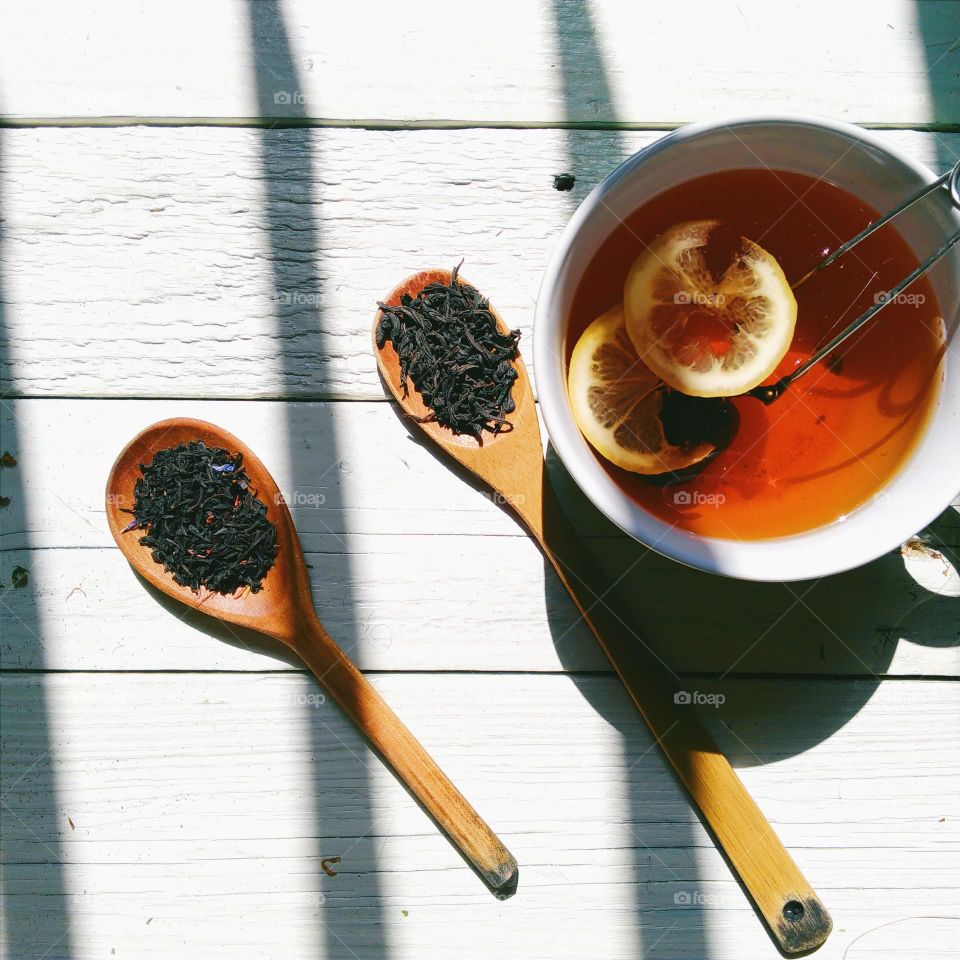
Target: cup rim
(814,553)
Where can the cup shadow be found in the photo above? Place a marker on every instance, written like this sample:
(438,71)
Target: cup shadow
(845,626)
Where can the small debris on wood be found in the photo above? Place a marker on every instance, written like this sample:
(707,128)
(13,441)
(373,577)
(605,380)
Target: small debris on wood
(916,548)
(8,459)
(406,913)
(4,502)
(324,865)
(73,826)
(564,182)
(19,577)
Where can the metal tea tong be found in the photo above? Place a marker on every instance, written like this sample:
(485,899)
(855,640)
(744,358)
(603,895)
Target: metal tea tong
(950,180)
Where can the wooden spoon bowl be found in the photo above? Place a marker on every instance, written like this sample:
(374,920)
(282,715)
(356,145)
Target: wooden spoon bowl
(283,609)
(268,610)
(524,417)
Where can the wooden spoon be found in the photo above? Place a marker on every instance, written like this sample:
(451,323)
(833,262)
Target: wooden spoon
(283,609)
(513,465)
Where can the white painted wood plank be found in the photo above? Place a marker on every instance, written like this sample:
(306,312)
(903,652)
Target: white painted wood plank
(406,557)
(187,815)
(533,61)
(213,262)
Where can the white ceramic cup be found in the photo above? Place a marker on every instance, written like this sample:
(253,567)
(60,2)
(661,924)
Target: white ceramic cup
(868,167)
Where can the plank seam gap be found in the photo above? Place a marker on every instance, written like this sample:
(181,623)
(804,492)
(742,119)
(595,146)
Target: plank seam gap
(577,674)
(288,123)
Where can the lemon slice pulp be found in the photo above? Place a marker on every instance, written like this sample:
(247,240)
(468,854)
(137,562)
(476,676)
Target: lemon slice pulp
(617,400)
(704,336)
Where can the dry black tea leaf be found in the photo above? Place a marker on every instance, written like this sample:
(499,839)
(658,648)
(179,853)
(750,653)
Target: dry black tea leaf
(203,521)
(452,350)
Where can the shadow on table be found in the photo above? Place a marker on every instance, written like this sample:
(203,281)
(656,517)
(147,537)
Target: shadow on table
(845,625)
(939,29)
(660,885)
(293,227)
(711,629)
(35,908)
(218,630)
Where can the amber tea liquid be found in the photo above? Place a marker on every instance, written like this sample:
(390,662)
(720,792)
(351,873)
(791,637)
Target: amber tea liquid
(842,431)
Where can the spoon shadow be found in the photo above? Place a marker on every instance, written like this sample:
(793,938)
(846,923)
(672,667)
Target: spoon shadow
(243,638)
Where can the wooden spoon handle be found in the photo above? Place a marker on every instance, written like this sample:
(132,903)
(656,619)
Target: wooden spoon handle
(410,761)
(793,912)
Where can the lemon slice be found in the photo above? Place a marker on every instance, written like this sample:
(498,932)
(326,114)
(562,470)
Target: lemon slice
(616,401)
(707,337)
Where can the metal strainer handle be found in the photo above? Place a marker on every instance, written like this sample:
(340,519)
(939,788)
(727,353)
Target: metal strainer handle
(951,180)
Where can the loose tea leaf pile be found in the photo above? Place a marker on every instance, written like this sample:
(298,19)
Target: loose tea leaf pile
(457,358)
(203,521)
